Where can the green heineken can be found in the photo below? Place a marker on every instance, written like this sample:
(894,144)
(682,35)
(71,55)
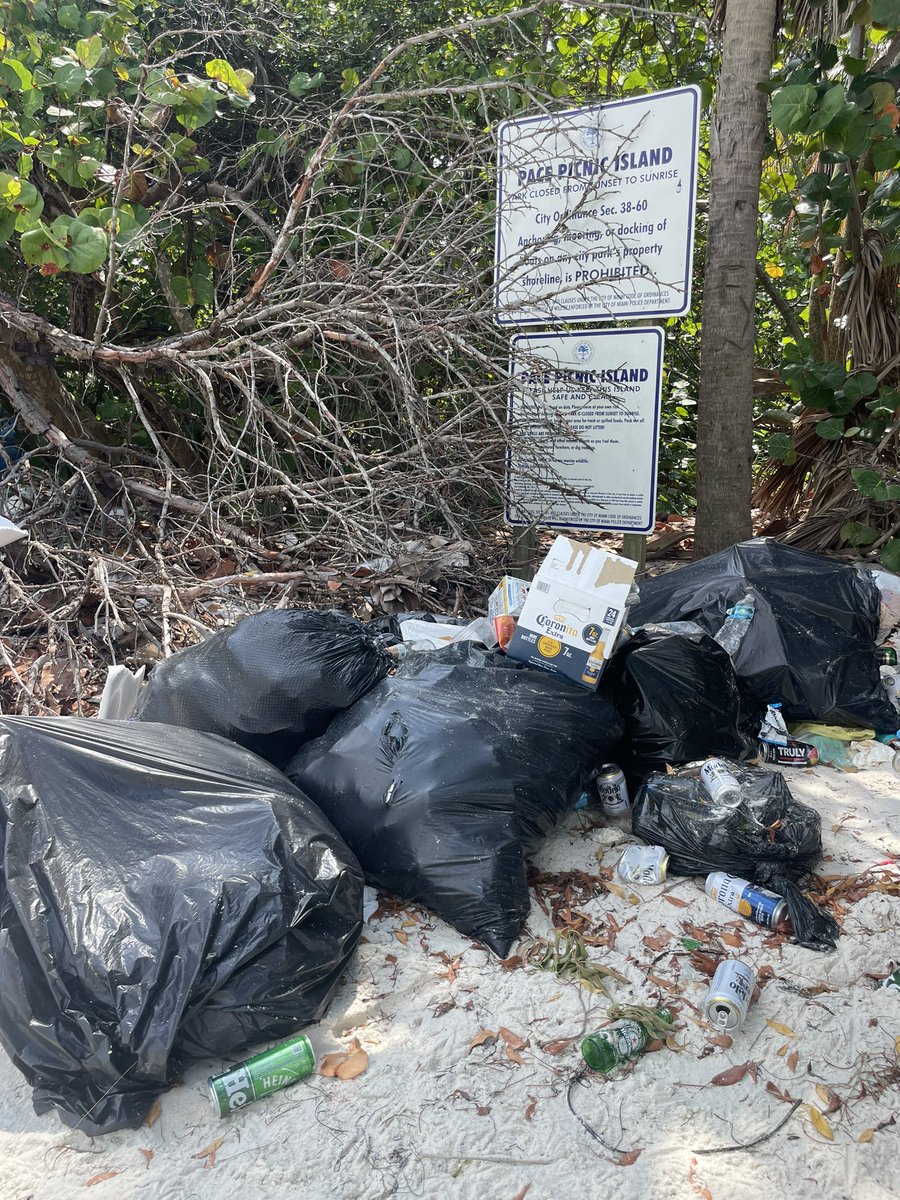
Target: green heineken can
(270,1071)
(887,656)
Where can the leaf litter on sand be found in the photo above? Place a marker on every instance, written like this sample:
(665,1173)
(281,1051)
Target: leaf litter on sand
(345,1064)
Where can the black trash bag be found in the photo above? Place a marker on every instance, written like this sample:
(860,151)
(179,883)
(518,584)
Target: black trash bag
(770,839)
(681,701)
(811,643)
(164,895)
(444,777)
(270,683)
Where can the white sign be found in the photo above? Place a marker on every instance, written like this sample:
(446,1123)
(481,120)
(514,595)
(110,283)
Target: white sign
(584,413)
(595,211)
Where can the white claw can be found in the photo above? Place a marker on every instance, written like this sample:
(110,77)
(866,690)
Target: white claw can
(722,786)
(643,864)
(729,995)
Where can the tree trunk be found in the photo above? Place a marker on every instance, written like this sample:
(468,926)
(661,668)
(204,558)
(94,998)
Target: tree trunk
(725,411)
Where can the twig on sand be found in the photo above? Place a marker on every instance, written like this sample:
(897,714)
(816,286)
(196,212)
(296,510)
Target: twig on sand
(578,1077)
(756,1141)
(492,1158)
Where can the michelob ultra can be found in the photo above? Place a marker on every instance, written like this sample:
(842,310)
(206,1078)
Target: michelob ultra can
(741,896)
(729,995)
(270,1071)
(613,791)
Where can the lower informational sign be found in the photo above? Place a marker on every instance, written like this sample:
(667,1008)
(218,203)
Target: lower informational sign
(584,414)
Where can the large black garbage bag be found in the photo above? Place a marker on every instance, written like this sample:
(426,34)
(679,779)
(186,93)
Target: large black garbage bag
(681,701)
(770,839)
(164,895)
(811,643)
(270,683)
(444,777)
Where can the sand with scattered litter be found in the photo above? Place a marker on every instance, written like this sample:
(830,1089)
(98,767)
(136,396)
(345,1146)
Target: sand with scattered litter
(435,1117)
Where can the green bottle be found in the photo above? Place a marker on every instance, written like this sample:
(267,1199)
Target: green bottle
(618,1043)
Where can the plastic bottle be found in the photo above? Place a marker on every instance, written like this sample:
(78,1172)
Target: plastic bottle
(619,1042)
(736,624)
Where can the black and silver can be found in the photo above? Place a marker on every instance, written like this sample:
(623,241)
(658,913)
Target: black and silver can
(612,791)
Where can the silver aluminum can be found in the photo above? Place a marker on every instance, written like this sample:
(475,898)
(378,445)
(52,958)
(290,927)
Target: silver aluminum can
(612,791)
(729,995)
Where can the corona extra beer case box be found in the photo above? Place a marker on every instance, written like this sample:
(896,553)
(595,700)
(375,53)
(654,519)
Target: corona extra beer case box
(573,613)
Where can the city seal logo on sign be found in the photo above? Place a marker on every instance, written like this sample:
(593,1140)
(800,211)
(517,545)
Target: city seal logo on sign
(590,138)
(584,352)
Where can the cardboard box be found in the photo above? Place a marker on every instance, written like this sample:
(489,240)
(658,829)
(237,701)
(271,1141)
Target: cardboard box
(574,611)
(505,605)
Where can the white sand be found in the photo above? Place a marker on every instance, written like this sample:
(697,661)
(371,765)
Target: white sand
(431,1118)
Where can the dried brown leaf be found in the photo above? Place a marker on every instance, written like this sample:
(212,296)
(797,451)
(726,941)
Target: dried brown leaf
(732,939)
(704,963)
(699,1187)
(512,1039)
(401,936)
(793,1059)
(866,1135)
(628,1159)
(209,1152)
(510,964)
(824,1093)
(482,1036)
(784,1030)
(154,1114)
(659,942)
(354,1064)
(104,1175)
(725,1040)
(676,901)
(530,1108)
(482,1109)
(820,1123)
(732,1075)
(330,1063)
(557,1047)
(782,1050)
(148,1154)
(514,1055)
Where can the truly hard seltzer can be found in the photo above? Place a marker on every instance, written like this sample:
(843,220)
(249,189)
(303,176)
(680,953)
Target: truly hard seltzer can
(741,896)
(612,791)
(270,1071)
(728,998)
(643,864)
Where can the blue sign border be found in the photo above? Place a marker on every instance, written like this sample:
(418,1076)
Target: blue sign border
(691,89)
(598,333)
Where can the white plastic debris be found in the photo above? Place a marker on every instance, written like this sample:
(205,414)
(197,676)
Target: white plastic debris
(120,693)
(9,532)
